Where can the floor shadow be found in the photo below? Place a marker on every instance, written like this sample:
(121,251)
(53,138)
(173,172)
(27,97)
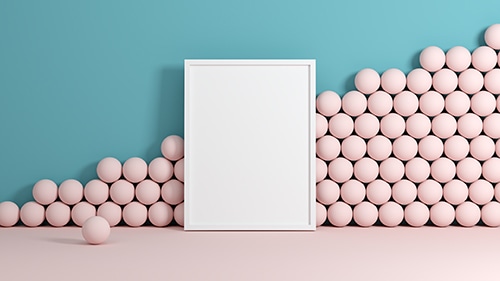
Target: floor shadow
(68,241)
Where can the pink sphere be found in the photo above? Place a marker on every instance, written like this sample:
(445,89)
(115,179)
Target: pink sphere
(367,81)
(418,125)
(135,214)
(497,192)
(327,148)
(179,170)
(497,148)
(58,214)
(160,214)
(469,125)
(392,125)
(431,103)
(458,58)
(393,81)
(468,214)
(470,81)
(96,192)
(32,214)
(416,214)
(172,192)
(96,230)
(380,103)
(498,103)
(483,103)
(444,125)
(405,148)
(492,81)
(482,148)
(404,192)
(353,148)
(70,192)
(469,170)
(135,169)
(481,192)
(419,81)
(147,192)
(492,36)
(365,214)
(327,192)
(455,192)
(366,170)
(45,191)
(379,148)
(122,192)
(490,125)
(328,103)
(445,81)
(179,214)
(81,212)
(391,214)
(484,58)
(109,169)
(320,214)
(352,192)
(366,125)
(442,214)
(172,147)
(457,103)
(443,170)
(378,192)
(340,170)
(406,103)
(321,170)
(161,170)
(490,170)
(391,170)
(9,214)
(432,58)
(339,214)
(321,129)
(456,148)
(417,170)
(490,214)
(354,103)
(341,125)
(430,148)
(429,192)
(111,212)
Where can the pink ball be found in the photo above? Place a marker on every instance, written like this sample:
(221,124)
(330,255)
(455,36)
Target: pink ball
(70,192)
(443,170)
(498,103)
(179,214)
(354,103)
(81,212)
(490,125)
(482,148)
(366,125)
(341,125)
(481,192)
(419,81)
(366,170)
(405,148)
(380,103)
(379,148)
(445,81)
(365,214)
(429,192)
(378,192)
(444,125)
(32,214)
(96,192)
(321,170)
(353,148)
(497,148)
(492,81)
(58,214)
(490,214)
(442,214)
(96,230)
(458,58)
(468,214)
(469,170)
(367,81)
(9,214)
(469,125)
(340,170)
(457,103)
(147,192)
(432,58)
(45,191)
(109,169)
(470,81)
(135,169)
(497,192)
(455,192)
(111,212)
(393,81)
(416,214)
(391,170)
(339,214)
(404,192)
(352,192)
(135,214)
(391,214)
(431,103)
(456,148)
(490,170)
(417,170)
(406,103)
(392,125)
(328,103)
(321,128)
(179,170)
(320,214)
(483,103)
(161,170)
(327,148)
(430,148)
(122,192)
(160,214)
(484,58)
(172,147)
(327,192)
(492,36)
(172,192)
(418,125)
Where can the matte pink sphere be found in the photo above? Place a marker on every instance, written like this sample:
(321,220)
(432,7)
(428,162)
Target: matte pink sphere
(469,125)
(417,170)
(340,170)
(353,148)
(445,81)
(405,148)
(406,103)
(456,148)
(58,214)
(70,192)
(366,170)
(429,192)
(147,192)
(320,214)
(444,125)
(379,148)
(468,214)
(109,169)
(321,170)
(96,230)
(490,125)
(32,214)
(179,214)
(122,192)
(45,191)
(160,214)
(172,192)
(354,103)
(470,81)
(481,192)
(391,170)
(135,214)
(416,214)
(327,192)
(380,103)
(404,192)
(96,192)
(328,103)
(9,214)
(366,125)
(161,170)
(482,148)
(431,103)
(457,103)
(497,192)
(352,192)
(490,214)
(492,81)
(367,81)
(179,170)
(432,58)
(443,170)
(418,125)
(339,214)
(341,125)
(81,212)
(484,58)
(492,36)
(393,81)
(327,148)
(497,148)
(430,148)
(483,103)
(455,192)
(442,214)
(378,192)
(419,81)
(111,211)
(321,128)
(172,147)
(490,170)
(392,125)
(135,169)
(469,170)
(458,58)
(365,214)
(391,214)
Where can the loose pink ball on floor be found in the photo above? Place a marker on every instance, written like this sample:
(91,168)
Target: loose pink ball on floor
(179,170)
(320,214)
(469,170)
(492,36)
(391,170)
(405,148)
(352,192)
(340,170)
(490,125)
(327,192)
(365,214)
(366,125)
(470,81)
(431,103)
(172,192)
(380,103)
(379,148)
(492,81)
(172,147)
(321,129)
(96,230)
(430,148)
(419,81)
(45,191)
(341,125)
(328,103)
(58,214)
(321,170)
(483,103)
(161,170)
(70,192)
(147,192)
(378,192)
(444,125)
(179,214)
(111,211)
(353,148)
(81,212)
(490,170)
(418,125)
(392,125)
(481,192)
(442,214)
(432,58)
(417,170)
(96,192)
(482,148)
(469,125)
(339,214)
(135,169)
(393,81)
(135,214)
(32,214)
(354,103)
(484,58)
(366,170)
(160,214)
(456,148)
(429,192)
(416,214)
(367,81)
(327,148)
(391,214)
(445,81)
(122,192)
(490,214)
(9,214)
(458,58)
(109,169)
(457,103)
(404,192)
(406,103)
(455,192)
(468,214)
(443,170)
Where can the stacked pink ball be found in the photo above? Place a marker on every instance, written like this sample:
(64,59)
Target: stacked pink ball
(416,149)
(133,193)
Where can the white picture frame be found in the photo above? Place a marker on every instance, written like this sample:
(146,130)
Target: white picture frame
(250,145)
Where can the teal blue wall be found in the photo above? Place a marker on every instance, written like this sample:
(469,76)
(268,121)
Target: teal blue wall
(82,80)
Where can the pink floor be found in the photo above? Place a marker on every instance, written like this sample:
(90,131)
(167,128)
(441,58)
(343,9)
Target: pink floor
(350,253)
